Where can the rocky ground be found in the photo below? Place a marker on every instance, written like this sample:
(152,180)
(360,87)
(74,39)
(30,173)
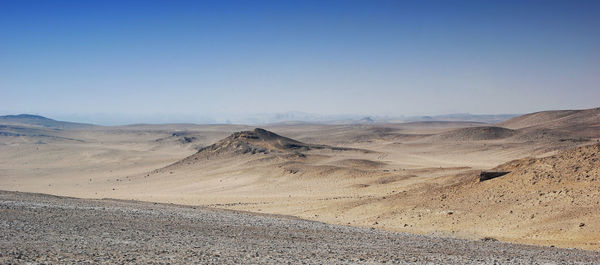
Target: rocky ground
(43,229)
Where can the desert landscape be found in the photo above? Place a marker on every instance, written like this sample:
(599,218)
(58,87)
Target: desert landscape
(300,132)
(416,177)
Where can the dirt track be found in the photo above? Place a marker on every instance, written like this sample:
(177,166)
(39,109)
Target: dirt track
(47,229)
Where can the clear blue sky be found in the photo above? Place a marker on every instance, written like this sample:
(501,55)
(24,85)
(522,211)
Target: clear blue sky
(216,58)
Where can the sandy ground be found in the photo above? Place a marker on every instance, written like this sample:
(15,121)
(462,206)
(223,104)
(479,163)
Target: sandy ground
(398,185)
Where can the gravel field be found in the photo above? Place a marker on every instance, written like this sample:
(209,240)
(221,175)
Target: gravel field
(44,229)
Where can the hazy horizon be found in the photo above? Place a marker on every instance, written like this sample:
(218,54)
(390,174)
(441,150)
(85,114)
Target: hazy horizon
(114,119)
(221,60)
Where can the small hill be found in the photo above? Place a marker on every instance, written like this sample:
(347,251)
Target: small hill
(477,133)
(266,154)
(555,119)
(258,141)
(561,125)
(40,121)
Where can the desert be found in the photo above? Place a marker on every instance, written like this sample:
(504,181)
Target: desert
(300,132)
(416,177)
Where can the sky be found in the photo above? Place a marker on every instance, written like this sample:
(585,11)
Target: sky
(212,60)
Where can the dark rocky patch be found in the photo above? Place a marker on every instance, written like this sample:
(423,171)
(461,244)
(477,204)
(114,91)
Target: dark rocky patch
(487,175)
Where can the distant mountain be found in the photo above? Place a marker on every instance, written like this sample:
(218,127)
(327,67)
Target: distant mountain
(293,117)
(301,117)
(485,118)
(290,118)
(40,121)
(367,120)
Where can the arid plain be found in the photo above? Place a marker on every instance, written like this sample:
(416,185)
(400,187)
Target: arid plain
(417,177)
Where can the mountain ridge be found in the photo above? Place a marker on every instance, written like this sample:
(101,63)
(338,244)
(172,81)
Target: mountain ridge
(40,121)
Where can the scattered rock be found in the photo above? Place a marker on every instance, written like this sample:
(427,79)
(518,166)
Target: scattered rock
(77,231)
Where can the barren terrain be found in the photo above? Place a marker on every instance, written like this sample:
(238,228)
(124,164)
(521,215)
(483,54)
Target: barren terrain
(419,177)
(46,229)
